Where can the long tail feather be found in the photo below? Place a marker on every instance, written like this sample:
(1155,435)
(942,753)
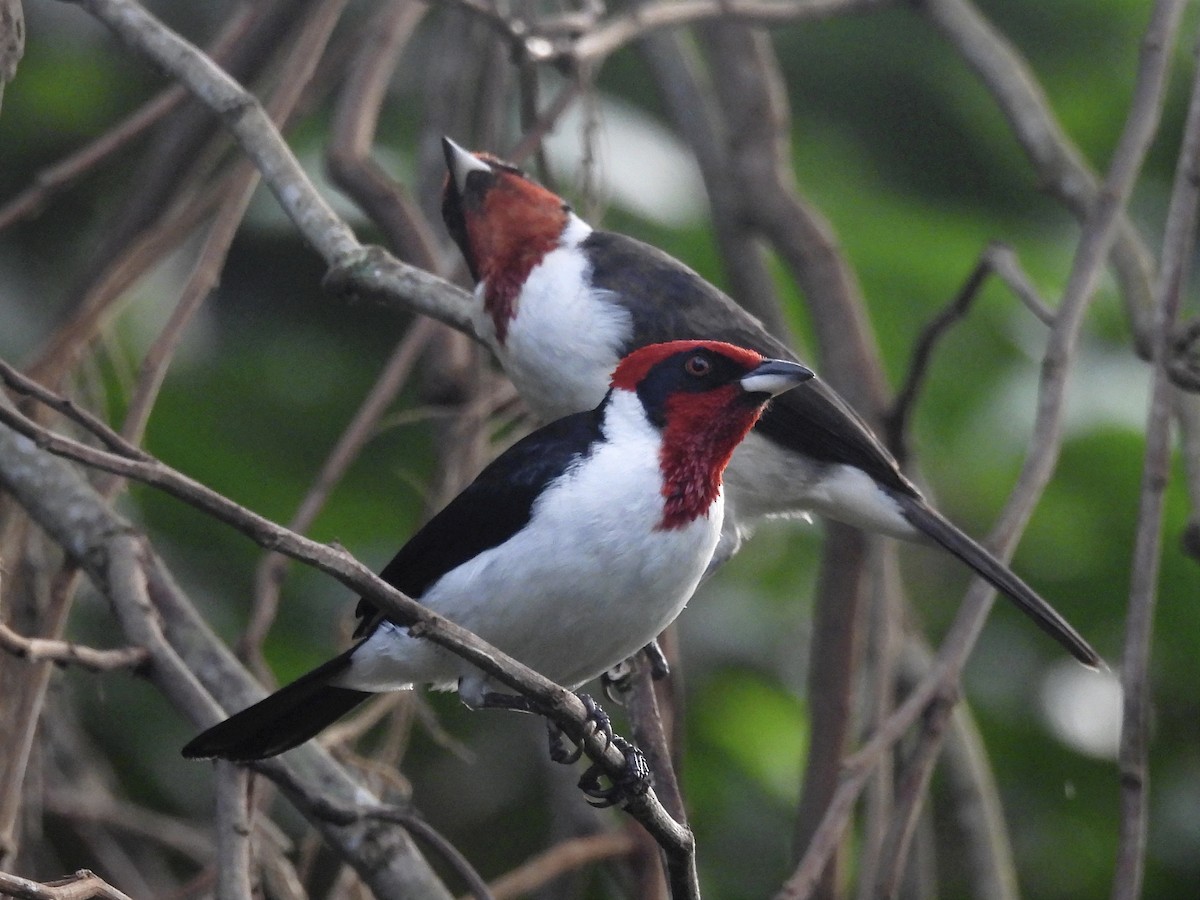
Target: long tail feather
(932,524)
(288,717)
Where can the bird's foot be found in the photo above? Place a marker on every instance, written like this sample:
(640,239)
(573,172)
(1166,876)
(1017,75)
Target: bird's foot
(659,667)
(597,720)
(633,781)
(616,680)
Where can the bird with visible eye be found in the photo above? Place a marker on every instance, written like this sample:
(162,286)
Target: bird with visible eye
(546,280)
(571,551)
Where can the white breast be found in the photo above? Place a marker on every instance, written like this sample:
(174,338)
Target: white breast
(563,344)
(588,582)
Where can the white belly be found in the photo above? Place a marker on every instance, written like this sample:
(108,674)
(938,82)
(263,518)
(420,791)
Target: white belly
(562,346)
(576,591)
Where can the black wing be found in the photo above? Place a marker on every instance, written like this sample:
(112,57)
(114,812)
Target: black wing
(812,419)
(490,510)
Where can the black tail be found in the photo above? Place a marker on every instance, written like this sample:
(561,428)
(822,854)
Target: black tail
(1002,578)
(288,717)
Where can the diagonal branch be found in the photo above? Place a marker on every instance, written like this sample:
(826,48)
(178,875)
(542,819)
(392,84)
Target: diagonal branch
(354,268)
(553,701)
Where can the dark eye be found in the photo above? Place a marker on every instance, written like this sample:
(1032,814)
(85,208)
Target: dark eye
(697,366)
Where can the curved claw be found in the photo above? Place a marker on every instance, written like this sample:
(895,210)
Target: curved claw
(600,723)
(616,680)
(633,781)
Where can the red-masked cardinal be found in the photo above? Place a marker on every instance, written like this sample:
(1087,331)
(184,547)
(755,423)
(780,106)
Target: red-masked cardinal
(570,552)
(560,303)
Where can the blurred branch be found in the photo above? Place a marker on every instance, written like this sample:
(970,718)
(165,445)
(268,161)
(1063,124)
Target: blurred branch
(996,259)
(598,43)
(689,98)
(102,808)
(560,859)
(25,712)
(269,575)
(1178,246)
(233,827)
(1059,166)
(428,835)
(169,196)
(349,160)
(369,271)
(60,175)
(83,885)
(750,94)
(297,70)
(67,653)
(1099,232)
(972,798)
(12,40)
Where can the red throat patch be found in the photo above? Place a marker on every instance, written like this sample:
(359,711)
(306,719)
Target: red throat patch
(517,223)
(702,429)
(701,434)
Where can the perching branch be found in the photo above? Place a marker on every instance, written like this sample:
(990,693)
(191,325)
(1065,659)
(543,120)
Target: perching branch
(556,703)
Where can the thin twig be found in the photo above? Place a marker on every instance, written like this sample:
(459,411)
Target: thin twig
(269,575)
(1133,759)
(575,853)
(996,259)
(432,838)
(69,653)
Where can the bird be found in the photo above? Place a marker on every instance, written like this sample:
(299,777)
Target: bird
(558,302)
(570,551)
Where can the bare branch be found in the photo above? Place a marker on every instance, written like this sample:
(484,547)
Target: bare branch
(369,271)
(83,885)
(233,825)
(1178,243)
(600,42)
(1060,167)
(68,653)
(996,259)
(560,859)
(186,655)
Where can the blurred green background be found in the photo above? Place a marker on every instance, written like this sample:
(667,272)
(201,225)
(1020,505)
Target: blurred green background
(906,154)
